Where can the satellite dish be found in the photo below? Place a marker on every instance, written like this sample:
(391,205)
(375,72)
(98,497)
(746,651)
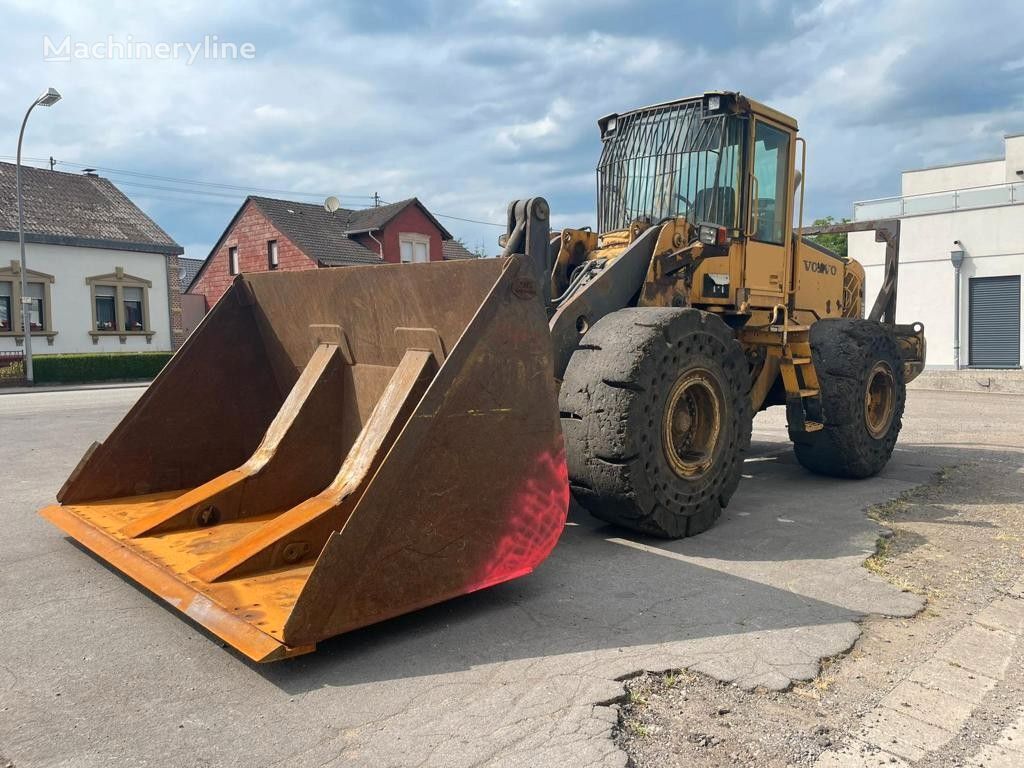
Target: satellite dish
(331,204)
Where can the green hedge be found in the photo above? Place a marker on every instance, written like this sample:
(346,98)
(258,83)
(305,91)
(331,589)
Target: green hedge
(63,369)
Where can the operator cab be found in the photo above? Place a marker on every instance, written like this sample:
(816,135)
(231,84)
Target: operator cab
(719,159)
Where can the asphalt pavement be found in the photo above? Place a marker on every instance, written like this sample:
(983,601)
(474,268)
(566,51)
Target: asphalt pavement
(96,672)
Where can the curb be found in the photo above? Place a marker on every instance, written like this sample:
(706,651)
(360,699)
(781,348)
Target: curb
(913,387)
(24,390)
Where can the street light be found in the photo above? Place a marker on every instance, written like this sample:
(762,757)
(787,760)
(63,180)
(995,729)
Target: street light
(48,99)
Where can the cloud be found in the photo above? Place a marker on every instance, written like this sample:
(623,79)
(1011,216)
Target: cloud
(470,105)
(825,11)
(271,113)
(548,130)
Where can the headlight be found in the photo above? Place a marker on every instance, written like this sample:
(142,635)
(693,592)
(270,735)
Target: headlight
(608,126)
(712,234)
(713,104)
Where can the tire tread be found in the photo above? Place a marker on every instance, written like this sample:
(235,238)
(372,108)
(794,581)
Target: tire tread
(844,350)
(613,445)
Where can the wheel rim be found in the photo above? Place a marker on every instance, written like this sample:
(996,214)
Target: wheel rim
(879,400)
(692,423)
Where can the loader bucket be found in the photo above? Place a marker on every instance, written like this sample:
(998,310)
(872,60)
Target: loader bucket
(332,448)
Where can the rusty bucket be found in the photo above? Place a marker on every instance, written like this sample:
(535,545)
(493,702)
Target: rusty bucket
(332,448)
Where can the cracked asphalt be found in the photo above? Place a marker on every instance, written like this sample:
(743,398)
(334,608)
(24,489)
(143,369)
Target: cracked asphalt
(95,672)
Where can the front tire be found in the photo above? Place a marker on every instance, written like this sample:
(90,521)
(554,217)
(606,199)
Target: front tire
(656,414)
(863,393)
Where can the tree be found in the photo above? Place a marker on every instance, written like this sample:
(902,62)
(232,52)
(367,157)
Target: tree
(480,251)
(834,242)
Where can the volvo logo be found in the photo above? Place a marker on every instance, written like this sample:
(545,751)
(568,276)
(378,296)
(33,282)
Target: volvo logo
(821,267)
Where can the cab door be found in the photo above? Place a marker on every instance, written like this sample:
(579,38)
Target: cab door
(769,234)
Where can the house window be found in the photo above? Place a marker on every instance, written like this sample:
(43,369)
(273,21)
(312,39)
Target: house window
(233,259)
(36,316)
(105,300)
(272,254)
(120,306)
(414,248)
(38,304)
(6,293)
(134,319)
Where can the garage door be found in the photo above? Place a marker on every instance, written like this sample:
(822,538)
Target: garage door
(994,322)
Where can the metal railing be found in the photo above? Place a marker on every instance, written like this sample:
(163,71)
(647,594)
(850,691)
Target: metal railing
(1011,193)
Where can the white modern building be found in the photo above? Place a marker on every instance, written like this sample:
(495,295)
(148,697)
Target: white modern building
(971,214)
(102,276)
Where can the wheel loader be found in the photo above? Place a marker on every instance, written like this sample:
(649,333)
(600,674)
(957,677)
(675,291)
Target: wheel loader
(332,448)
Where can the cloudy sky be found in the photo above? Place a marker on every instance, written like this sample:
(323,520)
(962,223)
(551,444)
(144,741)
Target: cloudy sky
(468,105)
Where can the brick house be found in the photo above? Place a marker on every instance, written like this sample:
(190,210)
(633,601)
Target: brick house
(270,234)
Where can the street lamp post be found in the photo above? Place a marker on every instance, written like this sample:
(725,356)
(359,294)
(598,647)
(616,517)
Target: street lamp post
(48,99)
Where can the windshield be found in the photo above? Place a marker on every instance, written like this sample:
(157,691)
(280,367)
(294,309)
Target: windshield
(669,161)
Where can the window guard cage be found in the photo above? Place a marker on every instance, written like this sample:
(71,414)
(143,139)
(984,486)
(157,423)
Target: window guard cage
(658,155)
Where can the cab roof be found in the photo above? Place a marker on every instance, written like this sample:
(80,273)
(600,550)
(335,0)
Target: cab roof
(746,105)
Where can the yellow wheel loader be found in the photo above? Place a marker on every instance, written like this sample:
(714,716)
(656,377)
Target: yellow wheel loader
(333,448)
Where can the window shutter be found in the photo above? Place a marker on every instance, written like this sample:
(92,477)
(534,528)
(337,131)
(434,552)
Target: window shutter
(994,322)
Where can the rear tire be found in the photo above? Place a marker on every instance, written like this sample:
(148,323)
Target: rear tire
(863,392)
(656,414)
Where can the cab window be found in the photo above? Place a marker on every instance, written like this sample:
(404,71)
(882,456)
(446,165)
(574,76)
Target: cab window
(771,169)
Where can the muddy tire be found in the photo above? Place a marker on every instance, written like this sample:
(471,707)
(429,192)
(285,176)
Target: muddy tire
(863,393)
(656,414)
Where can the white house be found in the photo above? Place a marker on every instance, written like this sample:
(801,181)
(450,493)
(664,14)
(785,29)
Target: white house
(969,212)
(102,276)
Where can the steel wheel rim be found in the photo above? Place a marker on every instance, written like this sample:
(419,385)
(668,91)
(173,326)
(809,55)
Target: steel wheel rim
(879,400)
(692,423)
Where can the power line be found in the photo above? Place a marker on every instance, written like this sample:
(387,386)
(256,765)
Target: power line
(460,218)
(197,182)
(197,192)
(210,184)
(179,190)
(471,221)
(214,188)
(187,201)
(193,182)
